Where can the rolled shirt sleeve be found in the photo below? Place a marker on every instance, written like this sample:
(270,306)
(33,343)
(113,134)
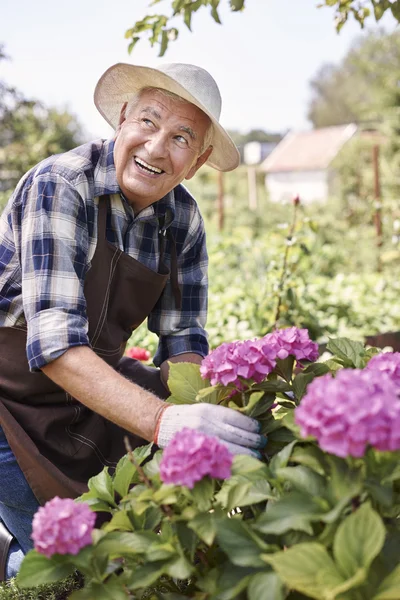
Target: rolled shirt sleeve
(54,261)
(182,329)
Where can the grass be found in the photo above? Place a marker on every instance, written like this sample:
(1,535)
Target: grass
(56,591)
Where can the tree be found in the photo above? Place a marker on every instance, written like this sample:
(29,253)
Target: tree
(164,28)
(363,87)
(29,132)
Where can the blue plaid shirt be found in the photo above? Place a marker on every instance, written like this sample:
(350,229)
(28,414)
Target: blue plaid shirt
(48,234)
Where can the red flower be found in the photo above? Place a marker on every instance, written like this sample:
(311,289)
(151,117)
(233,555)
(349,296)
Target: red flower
(138,353)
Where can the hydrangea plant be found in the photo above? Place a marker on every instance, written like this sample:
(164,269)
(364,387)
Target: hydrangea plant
(318,517)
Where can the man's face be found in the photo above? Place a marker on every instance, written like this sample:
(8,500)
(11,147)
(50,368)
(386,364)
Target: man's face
(157,146)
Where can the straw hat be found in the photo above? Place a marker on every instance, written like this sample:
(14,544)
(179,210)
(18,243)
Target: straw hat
(122,81)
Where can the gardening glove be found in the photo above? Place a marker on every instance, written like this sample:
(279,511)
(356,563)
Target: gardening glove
(236,431)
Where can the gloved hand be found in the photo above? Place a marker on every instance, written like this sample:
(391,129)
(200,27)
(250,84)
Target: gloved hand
(238,432)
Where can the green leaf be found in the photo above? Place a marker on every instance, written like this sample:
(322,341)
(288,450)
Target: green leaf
(187,18)
(121,544)
(281,459)
(351,353)
(179,568)
(237,4)
(265,586)
(120,521)
(285,367)
(124,473)
(144,576)
(205,525)
(307,568)
(242,546)
(317,369)
(232,581)
(300,383)
(184,382)
(203,493)
(309,456)
(133,43)
(395,8)
(212,394)
(293,511)
(243,463)
(36,569)
(239,491)
(303,479)
(102,486)
(164,42)
(358,540)
(390,587)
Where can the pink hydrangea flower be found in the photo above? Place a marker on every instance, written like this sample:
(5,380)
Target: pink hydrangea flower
(191,455)
(62,526)
(347,413)
(138,353)
(253,360)
(234,360)
(388,362)
(293,341)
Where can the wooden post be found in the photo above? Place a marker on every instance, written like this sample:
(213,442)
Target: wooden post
(220,200)
(378,204)
(252,187)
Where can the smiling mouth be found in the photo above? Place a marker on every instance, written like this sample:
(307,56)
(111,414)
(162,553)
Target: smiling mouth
(144,166)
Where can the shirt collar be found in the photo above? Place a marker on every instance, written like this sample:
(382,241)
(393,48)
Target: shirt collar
(106,183)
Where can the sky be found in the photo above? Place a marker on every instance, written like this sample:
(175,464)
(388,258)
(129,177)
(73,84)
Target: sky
(262,58)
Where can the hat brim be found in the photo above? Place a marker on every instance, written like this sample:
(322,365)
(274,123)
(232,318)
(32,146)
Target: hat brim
(122,81)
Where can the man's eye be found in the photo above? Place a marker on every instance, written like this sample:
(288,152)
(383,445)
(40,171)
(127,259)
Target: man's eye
(148,122)
(181,139)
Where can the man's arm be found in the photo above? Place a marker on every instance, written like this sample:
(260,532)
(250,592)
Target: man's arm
(98,386)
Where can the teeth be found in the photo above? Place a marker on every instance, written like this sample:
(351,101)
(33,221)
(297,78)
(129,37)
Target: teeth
(147,166)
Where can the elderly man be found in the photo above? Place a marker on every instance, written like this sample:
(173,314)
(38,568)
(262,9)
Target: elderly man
(93,242)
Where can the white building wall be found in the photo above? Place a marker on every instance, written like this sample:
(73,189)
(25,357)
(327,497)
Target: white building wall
(311,186)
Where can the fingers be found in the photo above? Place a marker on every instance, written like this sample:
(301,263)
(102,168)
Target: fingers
(235,449)
(234,418)
(231,426)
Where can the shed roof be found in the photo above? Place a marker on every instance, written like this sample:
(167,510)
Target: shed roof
(311,150)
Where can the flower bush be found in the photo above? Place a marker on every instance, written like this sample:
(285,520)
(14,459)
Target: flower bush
(317,517)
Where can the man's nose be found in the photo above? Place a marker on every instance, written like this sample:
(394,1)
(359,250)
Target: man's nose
(157,145)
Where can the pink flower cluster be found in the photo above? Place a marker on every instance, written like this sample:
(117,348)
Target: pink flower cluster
(388,362)
(138,353)
(295,342)
(347,413)
(191,455)
(255,359)
(62,526)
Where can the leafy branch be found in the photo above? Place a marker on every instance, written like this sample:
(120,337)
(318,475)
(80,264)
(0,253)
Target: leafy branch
(159,26)
(161,32)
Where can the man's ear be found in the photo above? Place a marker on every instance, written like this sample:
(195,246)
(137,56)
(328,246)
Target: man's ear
(122,117)
(199,162)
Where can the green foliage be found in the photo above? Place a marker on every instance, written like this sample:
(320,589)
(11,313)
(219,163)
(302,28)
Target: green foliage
(161,31)
(159,26)
(299,524)
(29,133)
(361,86)
(362,10)
(50,591)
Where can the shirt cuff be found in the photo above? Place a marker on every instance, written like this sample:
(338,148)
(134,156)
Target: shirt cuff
(51,332)
(172,345)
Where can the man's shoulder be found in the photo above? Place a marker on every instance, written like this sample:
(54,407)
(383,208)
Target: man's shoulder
(74,164)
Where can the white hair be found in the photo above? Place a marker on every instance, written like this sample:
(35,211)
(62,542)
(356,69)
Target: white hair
(135,99)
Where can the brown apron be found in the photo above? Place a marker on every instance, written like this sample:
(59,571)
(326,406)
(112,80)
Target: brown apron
(60,443)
